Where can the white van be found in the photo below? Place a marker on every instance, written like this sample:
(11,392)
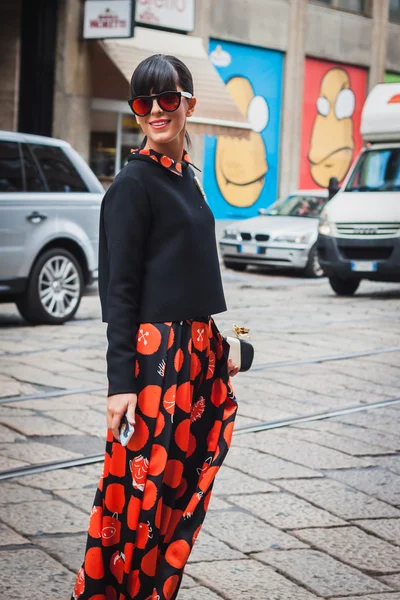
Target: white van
(359,231)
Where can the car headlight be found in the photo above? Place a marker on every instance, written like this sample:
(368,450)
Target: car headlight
(324,227)
(292,238)
(231,234)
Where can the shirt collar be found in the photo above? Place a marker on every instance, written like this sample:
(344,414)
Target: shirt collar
(165,161)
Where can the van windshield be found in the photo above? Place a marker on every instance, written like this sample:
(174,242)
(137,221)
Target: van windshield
(377,171)
(298,206)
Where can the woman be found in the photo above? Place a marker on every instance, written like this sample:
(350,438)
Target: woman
(168,369)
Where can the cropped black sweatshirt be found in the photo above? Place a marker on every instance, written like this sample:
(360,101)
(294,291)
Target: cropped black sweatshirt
(157,256)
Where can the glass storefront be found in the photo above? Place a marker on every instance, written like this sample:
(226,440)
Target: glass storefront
(113,135)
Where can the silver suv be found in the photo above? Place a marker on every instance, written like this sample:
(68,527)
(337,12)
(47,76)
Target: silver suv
(49,215)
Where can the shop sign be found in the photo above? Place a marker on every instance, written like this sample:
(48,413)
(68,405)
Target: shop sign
(168,14)
(108,19)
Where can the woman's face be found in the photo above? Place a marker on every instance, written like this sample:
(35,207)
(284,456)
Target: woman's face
(162,127)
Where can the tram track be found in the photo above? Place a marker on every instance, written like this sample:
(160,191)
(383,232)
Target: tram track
(260,367)
(247,429)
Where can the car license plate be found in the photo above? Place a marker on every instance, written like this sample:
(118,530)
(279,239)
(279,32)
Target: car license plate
(249,249)
(363,266)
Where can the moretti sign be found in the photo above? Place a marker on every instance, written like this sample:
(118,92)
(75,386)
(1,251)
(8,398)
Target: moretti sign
(167,14)
(108,19)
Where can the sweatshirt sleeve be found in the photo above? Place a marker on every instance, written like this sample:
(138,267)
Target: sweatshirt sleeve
(127,221)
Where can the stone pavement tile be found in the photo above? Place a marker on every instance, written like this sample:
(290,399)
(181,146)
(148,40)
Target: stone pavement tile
(388,529)
(11,491)
(231,481)
(208,548)
(11,388)
(375,419)
(354,547)
(346,445)
(320,573)
(392,463)
(86,445)
(389,596)
(38,376)
(188,582)
(82,498)
(392,581)
(387,441)
(265,466)
(8,435)
(299,451)
(33,452)
(377,482)
(247,580)
(339,499)
(90,421)
(246,533)
(10,463)
(42,425)
(197,593)
(61,479)
(70,402)
(69,550)
(52,516)
(9,537)
(241,421)
(217,503)
(13,410)
(31,573)
(285,510)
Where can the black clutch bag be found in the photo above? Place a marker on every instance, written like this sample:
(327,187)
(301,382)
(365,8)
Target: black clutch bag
(241,350)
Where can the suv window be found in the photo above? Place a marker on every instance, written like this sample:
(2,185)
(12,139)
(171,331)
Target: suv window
(33,179)
(59,172)
(10,167)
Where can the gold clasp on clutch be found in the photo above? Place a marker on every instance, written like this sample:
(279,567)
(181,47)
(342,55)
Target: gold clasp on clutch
(240,330)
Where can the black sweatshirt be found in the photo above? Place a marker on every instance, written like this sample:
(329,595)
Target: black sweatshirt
(157,258)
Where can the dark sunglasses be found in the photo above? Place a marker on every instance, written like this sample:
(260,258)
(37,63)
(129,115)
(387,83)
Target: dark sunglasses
(167,101)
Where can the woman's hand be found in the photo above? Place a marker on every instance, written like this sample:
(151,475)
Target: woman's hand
(117,406)
(232,369)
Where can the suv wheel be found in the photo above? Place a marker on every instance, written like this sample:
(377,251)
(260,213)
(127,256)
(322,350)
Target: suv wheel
(313,268)
(235,266)
(344,287)
(54,289)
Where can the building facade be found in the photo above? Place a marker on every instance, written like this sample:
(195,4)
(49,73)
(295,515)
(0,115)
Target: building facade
(297,70)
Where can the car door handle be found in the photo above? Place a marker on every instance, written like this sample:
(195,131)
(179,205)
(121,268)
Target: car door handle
(36,217)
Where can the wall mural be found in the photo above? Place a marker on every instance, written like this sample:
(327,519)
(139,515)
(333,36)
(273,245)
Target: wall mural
(332,102)
(241,175)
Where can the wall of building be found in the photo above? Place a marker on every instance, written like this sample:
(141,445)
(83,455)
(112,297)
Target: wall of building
(9,63)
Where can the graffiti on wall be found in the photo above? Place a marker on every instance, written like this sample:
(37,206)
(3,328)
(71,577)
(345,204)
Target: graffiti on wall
(241,175)
(333,99)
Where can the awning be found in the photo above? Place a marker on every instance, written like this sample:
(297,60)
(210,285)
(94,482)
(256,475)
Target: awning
(216,111)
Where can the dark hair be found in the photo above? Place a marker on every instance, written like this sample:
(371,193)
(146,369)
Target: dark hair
(161,73)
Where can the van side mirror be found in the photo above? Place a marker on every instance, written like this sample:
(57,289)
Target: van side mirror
(333,187)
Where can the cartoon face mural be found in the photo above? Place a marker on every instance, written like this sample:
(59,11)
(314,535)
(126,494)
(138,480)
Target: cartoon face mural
(330,138)
(241,175)
(241,164)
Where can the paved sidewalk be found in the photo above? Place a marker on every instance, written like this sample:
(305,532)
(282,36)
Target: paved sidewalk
(297,513)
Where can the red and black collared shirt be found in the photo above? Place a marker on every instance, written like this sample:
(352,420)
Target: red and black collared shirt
(166,161)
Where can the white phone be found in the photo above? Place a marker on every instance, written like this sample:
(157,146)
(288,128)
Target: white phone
(126,430)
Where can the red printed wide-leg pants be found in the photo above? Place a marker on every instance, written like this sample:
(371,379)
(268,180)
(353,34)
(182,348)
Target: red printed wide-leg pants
(153,495)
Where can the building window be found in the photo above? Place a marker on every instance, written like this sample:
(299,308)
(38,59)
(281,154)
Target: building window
(394,10)
(356,6)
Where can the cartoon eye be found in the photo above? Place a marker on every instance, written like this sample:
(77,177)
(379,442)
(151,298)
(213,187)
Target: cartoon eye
(345,103)
(323,106)
(258,114)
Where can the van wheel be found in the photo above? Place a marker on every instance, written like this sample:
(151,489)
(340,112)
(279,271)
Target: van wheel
(344,287)
(313,267)
(54,289)
(235,266)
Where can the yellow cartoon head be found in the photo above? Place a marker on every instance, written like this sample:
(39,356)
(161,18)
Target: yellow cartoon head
(241,164)
(332,141)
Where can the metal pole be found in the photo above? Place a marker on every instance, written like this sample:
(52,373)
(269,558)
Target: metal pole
(118,144)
